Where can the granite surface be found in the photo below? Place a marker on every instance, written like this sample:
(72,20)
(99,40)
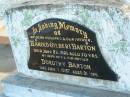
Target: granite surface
(107,23)
(19,86)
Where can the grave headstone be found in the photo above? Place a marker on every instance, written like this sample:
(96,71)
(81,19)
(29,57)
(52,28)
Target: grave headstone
(74,44)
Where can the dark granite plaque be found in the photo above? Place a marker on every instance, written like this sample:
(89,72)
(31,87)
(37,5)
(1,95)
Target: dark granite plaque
(65,47)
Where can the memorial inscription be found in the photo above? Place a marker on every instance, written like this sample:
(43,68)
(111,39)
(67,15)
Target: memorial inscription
(65,47)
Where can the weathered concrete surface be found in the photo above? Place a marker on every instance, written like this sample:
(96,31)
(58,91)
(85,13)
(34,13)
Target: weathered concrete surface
(2,76)
(2,95)
(108,24)
(6,4)
(105,17)
(7,63)
(19,86)
(98,16)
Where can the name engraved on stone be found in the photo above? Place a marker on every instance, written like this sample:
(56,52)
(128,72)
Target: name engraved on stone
(65,47)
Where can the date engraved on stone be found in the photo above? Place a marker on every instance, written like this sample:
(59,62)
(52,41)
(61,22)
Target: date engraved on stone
(65,47)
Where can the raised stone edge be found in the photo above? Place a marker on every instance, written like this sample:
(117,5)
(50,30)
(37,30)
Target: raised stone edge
(59,88)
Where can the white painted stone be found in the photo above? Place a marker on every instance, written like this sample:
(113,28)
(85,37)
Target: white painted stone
(109,23)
